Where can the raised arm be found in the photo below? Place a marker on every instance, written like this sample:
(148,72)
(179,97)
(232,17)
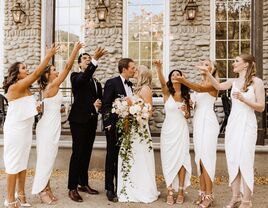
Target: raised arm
(218,86)
(195,86)
(67,68)
(89,71)
(159,70)
(31,78)
(259,104)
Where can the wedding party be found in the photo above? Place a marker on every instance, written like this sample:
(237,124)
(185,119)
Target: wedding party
(135,103)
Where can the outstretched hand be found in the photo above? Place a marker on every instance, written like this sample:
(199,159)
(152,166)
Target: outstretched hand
(53,49)
(202,67)
(78,45)
(99,52)
(157,64)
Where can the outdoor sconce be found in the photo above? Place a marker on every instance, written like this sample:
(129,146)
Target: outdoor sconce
(102,11)
(190,10)
(17,13)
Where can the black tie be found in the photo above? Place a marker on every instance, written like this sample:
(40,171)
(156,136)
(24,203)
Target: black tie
(129,83)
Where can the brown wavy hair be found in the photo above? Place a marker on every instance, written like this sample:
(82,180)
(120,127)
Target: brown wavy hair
(251,70)
(43,80)
(12,76)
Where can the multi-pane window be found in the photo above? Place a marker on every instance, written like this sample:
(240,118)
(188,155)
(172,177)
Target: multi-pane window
(68,30)
(233,22)
(145,31)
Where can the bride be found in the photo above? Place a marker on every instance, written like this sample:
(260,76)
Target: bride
(140,185)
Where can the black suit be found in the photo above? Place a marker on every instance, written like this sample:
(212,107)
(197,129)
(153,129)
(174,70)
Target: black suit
(83,120)
(113,89)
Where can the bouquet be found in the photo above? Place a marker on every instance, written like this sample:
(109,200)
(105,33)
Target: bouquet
(132,124)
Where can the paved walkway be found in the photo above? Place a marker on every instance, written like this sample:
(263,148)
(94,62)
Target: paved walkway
(59,183)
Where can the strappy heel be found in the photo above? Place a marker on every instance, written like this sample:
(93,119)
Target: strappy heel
(170,197)
(180,198)
(235,202)
(201,196)
(13,204)
(23,203)
(45,198)
(51,195)
(207,202)
(245,204)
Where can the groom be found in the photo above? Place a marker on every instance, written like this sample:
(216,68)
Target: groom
(114,88)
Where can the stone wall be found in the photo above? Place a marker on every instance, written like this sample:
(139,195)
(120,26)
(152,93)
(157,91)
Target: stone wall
(108,35)
(23,40)
(190,41)
(265,42)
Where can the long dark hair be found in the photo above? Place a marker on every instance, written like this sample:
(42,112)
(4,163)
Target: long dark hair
(43,80)
(12,76)
(185,91)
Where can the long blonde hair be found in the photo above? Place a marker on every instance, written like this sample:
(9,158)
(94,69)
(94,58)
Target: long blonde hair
(144,78)
(251,70)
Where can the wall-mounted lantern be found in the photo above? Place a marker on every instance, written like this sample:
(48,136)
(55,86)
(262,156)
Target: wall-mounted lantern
(191,10)
(102,11)
(17,13)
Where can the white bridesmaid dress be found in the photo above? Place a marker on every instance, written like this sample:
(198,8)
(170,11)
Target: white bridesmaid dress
(48,132)
(205,133)
(174,145)
(240,138)
(18,133)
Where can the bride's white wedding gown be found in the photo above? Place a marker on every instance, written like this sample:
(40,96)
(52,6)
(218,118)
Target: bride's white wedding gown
(141,186)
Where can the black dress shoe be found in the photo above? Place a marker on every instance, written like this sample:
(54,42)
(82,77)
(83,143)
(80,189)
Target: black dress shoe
(111,196)
(74,195)
(88,190)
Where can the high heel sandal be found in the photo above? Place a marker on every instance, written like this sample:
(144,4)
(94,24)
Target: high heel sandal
(235,202)
(13,204)
(170,197)
(45,198)
(23,203)
(245,204)
(180,198)
(51,195)
(207,202)
(201,196)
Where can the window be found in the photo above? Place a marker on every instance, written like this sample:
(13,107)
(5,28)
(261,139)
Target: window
(68,30)
(144,31)
(232,28)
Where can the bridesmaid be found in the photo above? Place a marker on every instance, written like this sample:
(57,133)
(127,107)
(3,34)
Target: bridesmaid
(174,145)
(205,132)
(48,128)
(247,95)
(18,126)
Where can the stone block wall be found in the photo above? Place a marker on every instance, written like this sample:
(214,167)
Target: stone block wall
(190,41)
(23,40)
(265,42)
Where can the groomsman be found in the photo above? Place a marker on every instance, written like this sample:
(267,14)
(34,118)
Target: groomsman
(114,88)
(83,120)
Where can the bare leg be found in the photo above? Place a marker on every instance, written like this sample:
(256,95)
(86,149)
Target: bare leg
(235,201)
(247,191)
(21,186)
(202,179)
(180,197)
(208,182)
(11,186)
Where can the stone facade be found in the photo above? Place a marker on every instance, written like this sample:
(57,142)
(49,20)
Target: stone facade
(265,42)
(23,41)
(189,41)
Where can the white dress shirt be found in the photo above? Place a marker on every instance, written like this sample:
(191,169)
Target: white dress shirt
(127,88)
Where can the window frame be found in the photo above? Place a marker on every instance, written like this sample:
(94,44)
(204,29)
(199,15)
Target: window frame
(166,32)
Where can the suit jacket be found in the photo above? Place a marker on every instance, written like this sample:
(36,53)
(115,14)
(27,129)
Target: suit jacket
(113,89)
(84,92)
